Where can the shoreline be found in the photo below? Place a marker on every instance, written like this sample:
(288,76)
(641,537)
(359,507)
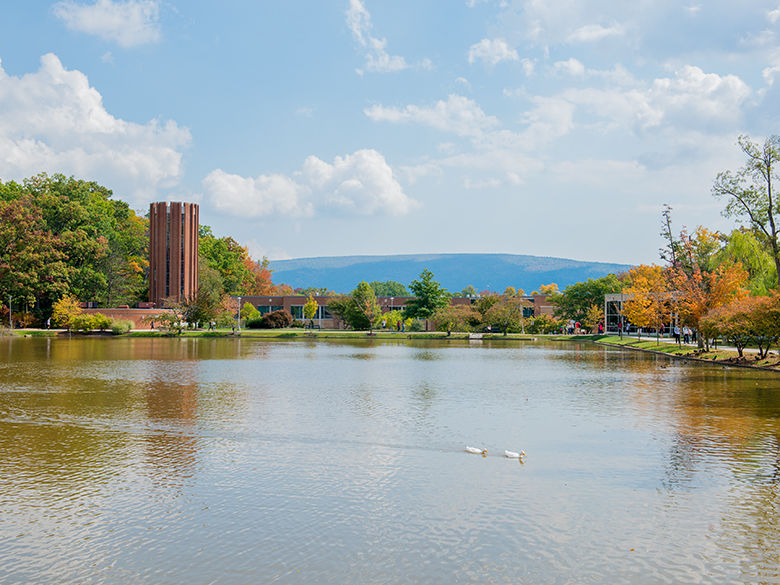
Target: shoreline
(304,335)
(726,357)
(721,357)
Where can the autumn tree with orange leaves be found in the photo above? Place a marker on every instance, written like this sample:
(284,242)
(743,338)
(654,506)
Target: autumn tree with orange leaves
(699,289)
(258,281)
(648,305)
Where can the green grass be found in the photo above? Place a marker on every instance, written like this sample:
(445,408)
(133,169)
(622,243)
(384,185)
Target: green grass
(714,355)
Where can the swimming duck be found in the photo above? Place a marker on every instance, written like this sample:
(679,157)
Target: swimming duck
(514,454)
(476,451)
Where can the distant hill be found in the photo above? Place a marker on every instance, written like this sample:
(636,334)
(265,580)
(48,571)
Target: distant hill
(454,271)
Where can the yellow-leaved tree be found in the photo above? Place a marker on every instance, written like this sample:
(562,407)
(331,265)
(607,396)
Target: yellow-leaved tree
(648,304)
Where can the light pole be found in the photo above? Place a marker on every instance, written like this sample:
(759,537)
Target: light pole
(239,313)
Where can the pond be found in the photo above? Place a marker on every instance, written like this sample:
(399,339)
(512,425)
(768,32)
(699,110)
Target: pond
(231,461)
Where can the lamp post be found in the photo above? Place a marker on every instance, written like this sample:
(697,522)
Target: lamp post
(239,313)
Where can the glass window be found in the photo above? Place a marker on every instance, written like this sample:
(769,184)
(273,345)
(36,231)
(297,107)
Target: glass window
(297,311)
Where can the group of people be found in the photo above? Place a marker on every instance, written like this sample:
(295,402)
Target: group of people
(685,332)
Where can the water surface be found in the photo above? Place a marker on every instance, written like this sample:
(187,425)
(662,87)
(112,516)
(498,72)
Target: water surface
(250,461)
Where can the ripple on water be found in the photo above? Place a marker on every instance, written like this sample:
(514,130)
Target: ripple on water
(343,463)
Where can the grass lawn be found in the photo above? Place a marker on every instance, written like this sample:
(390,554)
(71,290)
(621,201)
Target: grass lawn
(716,355)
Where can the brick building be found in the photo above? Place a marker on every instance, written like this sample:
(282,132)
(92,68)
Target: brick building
(294,305)
(173,251)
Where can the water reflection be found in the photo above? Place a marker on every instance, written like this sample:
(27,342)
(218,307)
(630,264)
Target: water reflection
(229,460)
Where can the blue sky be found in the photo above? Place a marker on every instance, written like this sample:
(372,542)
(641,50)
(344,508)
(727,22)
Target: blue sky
(314,128)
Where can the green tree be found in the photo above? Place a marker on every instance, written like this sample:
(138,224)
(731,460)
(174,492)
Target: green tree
(750,191)
(229,259)
(742,246)
(576,299)
(469,291)
(359,310)
(507,313)
(428,297)
(455,318)
(366,304)
(207,304)
(389,288)
(101,243)
(32,260)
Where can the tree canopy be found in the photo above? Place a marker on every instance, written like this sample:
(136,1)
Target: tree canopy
(62,235)
(428,297)
(576,299)
(389,288)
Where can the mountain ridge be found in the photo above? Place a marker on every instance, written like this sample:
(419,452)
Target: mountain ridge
(454,271)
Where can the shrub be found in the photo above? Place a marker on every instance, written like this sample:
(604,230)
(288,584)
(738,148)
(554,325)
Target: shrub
(119,326)
(276,320)
(83,322)
(298,324)
(544,324)
(100,321)
(416,325)
(253,323)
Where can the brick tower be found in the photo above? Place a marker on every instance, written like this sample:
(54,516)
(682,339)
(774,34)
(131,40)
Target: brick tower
(173,251)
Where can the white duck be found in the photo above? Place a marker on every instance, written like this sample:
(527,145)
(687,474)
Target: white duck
(514,454)
(476,451)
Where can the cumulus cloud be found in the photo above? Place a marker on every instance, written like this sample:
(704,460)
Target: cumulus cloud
(492,52)
(595,32)
(458,114)
(692,98)
(571,67)
(774,15)
(256,197)
(127,23)
(378,60)
(52,120)
(361,183)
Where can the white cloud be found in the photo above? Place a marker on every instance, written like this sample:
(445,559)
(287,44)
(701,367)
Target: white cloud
(127,23)
(249,197)
(53,121)
(774,15)
(260,250)
(690,99)
(492,52)
(378,60)
(361,183)
(595,32)
(528,67)
(464,82)
(571,67)
(459,115)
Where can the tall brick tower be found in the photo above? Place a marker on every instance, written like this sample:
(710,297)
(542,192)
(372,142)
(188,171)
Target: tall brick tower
(173,251)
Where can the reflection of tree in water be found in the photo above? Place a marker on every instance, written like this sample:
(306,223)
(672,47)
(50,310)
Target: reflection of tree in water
(423,397)
(733,419)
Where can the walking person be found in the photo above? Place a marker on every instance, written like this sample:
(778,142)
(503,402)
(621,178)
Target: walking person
(677,334)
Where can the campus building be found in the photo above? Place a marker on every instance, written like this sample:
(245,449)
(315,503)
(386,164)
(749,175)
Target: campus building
(173,251)
(293,304)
